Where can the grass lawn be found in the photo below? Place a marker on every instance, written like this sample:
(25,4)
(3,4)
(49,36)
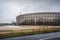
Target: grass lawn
(26,30)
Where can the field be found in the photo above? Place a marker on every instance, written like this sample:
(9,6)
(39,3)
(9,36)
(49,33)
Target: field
(12,31)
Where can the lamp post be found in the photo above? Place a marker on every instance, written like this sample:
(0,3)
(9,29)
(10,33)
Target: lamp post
(20,14)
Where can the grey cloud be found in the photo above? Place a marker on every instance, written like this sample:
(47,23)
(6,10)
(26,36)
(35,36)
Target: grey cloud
(10,9)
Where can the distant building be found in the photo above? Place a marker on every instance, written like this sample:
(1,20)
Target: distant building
(39,18)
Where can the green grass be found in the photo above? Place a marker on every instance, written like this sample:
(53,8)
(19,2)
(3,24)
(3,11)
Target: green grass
(29,32)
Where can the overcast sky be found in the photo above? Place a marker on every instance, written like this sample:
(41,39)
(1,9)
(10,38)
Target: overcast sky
(9,9)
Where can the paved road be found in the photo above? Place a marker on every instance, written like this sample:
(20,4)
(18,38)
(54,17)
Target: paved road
(57,38)
(47,36)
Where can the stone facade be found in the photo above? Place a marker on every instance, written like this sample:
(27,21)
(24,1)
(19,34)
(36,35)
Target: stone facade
(39,18)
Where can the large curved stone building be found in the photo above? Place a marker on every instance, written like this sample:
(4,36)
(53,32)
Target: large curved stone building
(39,18)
